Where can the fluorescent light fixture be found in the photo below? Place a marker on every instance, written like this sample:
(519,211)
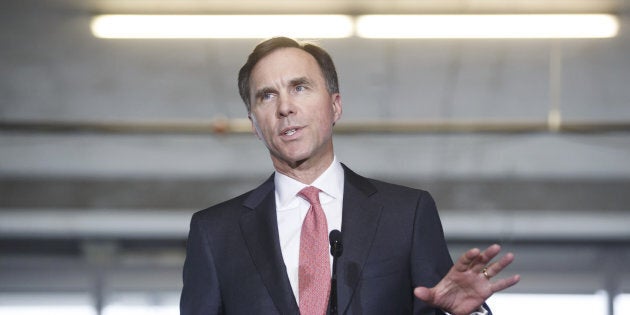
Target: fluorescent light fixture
(222,26)
(488,26)
(367,26)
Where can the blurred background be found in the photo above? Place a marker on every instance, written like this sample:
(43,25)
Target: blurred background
(107,146)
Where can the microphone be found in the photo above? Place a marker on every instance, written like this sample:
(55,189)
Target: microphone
(336,248)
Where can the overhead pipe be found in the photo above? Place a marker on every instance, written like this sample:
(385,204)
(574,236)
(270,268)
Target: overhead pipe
(222,126)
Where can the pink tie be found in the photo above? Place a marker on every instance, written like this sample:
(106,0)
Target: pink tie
(314,270)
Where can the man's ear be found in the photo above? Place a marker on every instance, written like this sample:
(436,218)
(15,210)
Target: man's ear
(254,125)
(337,108)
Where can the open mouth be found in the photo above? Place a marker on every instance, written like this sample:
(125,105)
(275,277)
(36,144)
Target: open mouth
(290,132)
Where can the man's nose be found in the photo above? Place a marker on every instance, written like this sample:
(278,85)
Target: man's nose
(286,106)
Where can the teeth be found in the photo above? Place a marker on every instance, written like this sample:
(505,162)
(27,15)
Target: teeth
(290,132)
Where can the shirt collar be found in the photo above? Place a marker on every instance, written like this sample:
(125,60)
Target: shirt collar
(330,182)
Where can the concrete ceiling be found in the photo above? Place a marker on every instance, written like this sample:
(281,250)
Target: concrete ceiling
(352,6)
(53,70)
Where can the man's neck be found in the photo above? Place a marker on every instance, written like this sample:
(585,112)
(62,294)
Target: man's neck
(305,172)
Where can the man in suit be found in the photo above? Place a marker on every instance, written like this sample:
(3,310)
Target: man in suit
(248,255)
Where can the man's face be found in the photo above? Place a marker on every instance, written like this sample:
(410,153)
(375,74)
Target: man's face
(291,109)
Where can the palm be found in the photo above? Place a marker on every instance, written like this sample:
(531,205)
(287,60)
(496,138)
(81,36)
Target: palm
(465,287)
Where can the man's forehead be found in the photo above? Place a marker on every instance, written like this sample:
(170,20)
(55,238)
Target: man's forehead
(284,52)
(285,64)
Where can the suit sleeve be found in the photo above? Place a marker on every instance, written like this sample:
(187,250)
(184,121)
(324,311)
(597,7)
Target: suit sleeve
(430,259)
(201,292)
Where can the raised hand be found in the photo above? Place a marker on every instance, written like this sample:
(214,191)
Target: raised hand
(467,285)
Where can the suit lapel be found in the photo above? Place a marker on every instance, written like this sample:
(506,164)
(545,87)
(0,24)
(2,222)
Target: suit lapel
(260,230)
(359,223)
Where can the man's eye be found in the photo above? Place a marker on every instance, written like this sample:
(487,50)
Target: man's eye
(300,88)
(267,96)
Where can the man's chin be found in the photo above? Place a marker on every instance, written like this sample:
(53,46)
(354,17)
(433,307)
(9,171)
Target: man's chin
(291,160)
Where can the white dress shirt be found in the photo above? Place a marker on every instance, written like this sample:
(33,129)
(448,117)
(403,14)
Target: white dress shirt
(291,210)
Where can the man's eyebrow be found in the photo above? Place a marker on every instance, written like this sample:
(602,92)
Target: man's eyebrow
(300,81)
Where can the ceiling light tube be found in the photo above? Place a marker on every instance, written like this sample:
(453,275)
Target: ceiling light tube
(488,26)
(222,26)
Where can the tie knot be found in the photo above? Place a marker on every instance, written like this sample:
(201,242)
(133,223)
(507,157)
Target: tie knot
(311,194)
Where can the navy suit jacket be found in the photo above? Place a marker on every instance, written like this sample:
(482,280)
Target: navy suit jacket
(392,239)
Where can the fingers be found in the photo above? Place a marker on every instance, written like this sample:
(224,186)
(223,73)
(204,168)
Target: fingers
(423,294)
(485,257)
(505,283)
(463,263)
(496,267)
(476,260)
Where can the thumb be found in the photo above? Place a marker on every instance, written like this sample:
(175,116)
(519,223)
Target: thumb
(423,294)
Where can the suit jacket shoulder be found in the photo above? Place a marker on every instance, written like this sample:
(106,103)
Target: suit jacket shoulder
(236,206)
(233,262)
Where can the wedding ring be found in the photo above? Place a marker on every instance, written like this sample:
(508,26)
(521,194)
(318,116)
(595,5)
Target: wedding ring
(485,273)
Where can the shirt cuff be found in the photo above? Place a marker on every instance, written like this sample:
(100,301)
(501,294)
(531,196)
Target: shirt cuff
(481,311)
